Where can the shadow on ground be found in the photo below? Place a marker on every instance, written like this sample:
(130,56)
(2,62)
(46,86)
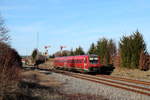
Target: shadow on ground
(46,71)
(32,85)
(34,91)
(104,70)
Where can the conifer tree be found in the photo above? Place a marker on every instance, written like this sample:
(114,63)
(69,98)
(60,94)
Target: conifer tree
(112,49)
(125,51)
(79,51)
(92,49)
(71,52)
(138,45)
(34,55)
(102,49)
(106,49)
(131,48)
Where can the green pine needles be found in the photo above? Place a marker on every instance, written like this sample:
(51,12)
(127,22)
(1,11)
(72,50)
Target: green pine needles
(130,49)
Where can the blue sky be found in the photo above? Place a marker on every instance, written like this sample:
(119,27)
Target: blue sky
(72,22)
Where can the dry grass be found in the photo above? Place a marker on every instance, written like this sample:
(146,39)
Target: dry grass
(9,80)
(47,65)
(39,78)
(132,73)
(8,84)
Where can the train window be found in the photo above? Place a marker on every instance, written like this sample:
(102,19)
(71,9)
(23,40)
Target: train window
(78,61)
(93,60)
(69,61)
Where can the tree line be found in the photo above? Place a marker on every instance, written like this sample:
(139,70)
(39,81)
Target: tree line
(131,49)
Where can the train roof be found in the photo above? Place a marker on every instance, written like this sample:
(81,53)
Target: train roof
(78,56)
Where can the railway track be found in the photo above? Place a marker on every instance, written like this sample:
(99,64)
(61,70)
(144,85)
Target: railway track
(140,87)
(125,79)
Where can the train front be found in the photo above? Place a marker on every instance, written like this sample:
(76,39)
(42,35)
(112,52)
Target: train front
(94,63)
(96,66)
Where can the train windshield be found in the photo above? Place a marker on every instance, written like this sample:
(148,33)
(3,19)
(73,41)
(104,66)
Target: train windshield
(93,60)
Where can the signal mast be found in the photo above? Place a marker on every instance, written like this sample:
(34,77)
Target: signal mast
(61,48)
(46,50)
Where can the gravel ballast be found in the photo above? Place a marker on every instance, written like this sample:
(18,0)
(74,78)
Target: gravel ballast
(75,85)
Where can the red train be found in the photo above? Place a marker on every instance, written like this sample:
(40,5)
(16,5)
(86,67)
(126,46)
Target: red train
(84,63)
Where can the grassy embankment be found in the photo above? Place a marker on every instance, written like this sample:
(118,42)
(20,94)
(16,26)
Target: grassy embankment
(131,73)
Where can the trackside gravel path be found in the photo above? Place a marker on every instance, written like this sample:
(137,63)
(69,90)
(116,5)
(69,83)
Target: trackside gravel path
(75,85)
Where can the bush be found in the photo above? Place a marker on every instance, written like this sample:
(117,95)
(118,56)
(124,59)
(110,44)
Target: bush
(10,64)
(41,59)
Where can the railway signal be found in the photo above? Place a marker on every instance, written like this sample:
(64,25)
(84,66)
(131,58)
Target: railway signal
(61,48)
(46,50)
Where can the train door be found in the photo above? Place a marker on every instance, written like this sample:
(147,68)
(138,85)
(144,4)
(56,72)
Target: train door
(85,66)
(65,62)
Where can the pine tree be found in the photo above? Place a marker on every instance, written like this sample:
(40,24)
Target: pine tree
(106,49)
(138,45)
(102,49)
(79,51)
(71,52)
(131,48)
(34,55)
(112,50)
(125,51)
(92,49)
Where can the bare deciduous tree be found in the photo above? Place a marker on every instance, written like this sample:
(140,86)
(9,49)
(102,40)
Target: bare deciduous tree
(4,37)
